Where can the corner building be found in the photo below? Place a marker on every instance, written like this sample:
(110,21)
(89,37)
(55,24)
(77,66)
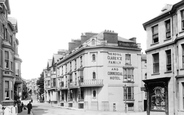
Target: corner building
(165,61)
(101,72)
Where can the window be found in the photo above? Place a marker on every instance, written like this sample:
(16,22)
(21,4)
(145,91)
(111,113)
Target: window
(182,19)
(94,75)
(93,57)
(81,61)
(156,63)
(7,92)
(75,64)
(127,59)
(94,94)
(183,94)
(155,34)
(128,93)
(6,59)
(54,82)
(182,46)
(168,60)
(168,29)
(128,74)
(70,66)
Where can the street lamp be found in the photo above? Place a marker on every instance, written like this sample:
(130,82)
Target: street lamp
(125,97)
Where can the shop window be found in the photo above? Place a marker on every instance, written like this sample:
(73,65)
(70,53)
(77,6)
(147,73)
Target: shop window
(156,63)
(155,34)
(158,98)
(168,60)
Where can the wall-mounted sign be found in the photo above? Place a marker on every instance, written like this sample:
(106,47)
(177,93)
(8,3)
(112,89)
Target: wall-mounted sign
(115,73)
(114,58)
(127,44)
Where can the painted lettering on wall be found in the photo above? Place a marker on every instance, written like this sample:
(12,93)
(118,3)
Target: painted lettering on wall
(115,74)
(114,58)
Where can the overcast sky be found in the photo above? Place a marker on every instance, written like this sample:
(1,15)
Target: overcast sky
(45,26)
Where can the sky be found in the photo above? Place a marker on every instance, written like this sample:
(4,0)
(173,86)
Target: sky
(45,26)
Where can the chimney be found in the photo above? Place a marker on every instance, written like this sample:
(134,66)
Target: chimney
(110,36)
(62,51)
(133,39)
(71,46)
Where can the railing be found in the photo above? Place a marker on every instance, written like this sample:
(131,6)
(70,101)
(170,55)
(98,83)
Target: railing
(91,82)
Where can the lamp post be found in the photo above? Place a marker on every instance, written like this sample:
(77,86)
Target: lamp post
(125,97)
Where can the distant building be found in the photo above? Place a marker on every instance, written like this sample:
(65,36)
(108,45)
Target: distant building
(165,61)
(101,71)
(31,86)
(10,63)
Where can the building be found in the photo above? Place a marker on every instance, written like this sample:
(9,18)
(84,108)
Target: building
(101,71)
(32,86)
(10,63)
(50,78)
(165,61)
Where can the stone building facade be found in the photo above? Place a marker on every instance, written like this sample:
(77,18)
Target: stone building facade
(165,60)
(101,71)
(10,63)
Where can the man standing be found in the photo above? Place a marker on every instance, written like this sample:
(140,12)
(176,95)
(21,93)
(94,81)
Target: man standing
(29,107)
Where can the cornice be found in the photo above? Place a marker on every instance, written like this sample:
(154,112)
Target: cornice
(96,47)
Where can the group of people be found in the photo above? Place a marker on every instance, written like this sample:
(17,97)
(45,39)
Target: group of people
(22,107)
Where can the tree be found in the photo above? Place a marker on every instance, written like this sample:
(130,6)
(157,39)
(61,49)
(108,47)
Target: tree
(40,84)
(24,90)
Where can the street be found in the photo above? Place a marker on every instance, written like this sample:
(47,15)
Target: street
(48,109)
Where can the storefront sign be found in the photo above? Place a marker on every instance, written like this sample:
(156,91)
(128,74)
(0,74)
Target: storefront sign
(127,44)
(114,58)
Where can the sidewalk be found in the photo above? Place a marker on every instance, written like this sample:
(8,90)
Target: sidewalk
(24,112)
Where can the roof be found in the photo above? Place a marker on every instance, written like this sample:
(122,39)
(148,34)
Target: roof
(101,36)
(169,10)
(57,56)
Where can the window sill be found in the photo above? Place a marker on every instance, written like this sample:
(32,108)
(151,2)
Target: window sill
(128,82)
(167,39)
(157,110)
(182,69)
(155,74)
(168,72)
(8,101)
(154,44)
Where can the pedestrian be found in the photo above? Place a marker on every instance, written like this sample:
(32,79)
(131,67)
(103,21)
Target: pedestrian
(22,106)
(29,107)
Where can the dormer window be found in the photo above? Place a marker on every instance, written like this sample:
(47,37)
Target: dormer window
(155,34)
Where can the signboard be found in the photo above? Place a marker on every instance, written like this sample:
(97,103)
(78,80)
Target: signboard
(114,58)
(115,73)
(127,44)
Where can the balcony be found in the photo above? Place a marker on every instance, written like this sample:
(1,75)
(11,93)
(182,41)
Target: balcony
(92,83)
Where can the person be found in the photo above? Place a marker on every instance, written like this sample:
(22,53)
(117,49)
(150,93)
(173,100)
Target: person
(22,106)
(29,107)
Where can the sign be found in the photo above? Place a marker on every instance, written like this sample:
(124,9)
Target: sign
(127,44)
(115,73)
(114,58)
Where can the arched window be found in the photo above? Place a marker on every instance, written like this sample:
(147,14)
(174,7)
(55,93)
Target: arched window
(93,57)
(94,75)
(94,94)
